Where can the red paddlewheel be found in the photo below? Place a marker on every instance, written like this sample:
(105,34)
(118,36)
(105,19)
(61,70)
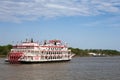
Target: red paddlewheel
(13,57)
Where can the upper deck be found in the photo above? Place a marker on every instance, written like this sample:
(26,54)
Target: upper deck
(46,45)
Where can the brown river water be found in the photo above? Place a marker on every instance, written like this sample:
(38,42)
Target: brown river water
(79,68)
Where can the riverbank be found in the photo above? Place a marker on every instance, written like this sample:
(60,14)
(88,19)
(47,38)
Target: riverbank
(94,52)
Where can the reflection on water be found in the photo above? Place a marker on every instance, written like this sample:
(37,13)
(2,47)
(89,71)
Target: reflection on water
(79,68)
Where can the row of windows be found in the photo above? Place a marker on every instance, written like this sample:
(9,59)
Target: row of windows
(54,48)
(45,57)
(66,52)
(54,53)
(42,57)
(54,57)
(58,52)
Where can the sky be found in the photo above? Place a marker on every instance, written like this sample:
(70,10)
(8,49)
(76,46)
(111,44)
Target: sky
(84,24)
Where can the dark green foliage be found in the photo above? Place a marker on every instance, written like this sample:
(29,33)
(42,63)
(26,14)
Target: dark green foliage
(78,51)
(81,52)
(5,49)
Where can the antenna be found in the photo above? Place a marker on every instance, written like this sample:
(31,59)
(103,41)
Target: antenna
(31,40)
(45,42)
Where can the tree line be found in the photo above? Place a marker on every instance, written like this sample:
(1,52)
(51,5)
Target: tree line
(4,50)
(85,52)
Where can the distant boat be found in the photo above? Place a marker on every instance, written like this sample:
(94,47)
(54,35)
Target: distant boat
(30,52)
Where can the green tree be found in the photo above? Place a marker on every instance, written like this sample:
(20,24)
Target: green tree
(5,49)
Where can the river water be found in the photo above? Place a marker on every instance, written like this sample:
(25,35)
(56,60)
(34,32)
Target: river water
(79,68)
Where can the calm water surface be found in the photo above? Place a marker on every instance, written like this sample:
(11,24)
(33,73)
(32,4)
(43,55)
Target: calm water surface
(79,68)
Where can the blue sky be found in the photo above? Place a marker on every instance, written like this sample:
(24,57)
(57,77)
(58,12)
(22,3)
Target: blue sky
(84,24)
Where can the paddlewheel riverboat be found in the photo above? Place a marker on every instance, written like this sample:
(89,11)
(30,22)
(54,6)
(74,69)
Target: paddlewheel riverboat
(30,51)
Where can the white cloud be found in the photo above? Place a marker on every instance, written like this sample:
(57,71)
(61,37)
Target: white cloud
(20,10)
